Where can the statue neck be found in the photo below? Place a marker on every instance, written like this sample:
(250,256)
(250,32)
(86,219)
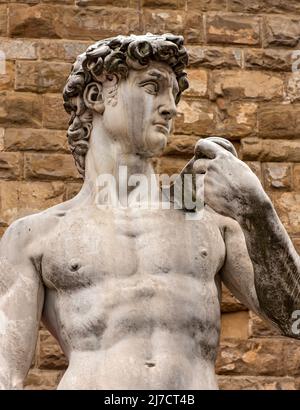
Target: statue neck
(109,159)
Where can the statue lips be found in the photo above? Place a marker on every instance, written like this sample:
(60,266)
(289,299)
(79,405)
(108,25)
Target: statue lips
(163,126)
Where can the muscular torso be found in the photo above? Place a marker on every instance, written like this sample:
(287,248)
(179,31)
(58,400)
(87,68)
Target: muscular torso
(133,297)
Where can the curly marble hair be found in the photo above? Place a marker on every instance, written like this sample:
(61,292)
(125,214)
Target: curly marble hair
(117,56)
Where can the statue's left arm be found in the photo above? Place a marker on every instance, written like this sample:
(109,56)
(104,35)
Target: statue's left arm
(262,266)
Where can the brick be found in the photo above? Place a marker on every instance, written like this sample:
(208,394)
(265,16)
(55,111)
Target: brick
(50,21)
(170,165)
(234,325)
(19,49)
(50,354)
(232,29)
(10,165)
(256,383)
(206,5)
(260,328)
(287,205)
(198,83)
(27,139)
(293,87)
(2,139)
(296,175)
(229,303)
(163,21)
(54,114)
(291,353)
(279,120)
(195,117)
(259,357)
(71,190)
(246,84)
(277,175)
(41,77)
(194,29)
(267,6)
(100,3)
(7,77)
(213,57)
(269,59)
(235,119)
(3,20)
(20,109)
(281,31)
(42,379)
(181,145)
(61,50)
(50,166)
(163,4)
(253,148)
(21,198)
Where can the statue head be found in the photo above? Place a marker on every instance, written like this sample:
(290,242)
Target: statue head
(131,84)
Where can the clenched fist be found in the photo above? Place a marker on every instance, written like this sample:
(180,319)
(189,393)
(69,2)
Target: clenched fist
(230,187)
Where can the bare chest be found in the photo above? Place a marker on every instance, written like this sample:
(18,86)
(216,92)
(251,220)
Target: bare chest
(88,248)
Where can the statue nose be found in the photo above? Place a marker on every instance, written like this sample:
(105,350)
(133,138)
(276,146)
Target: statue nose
(167,112)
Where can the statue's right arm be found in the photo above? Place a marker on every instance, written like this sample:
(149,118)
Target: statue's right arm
(21,302)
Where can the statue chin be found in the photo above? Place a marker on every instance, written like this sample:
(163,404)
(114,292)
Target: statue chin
(156,144)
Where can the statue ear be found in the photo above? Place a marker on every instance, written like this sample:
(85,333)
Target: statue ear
(93,97)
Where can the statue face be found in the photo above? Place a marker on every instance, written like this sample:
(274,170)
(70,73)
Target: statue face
(140,115)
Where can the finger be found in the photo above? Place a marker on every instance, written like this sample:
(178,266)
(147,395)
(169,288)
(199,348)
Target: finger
(225,144)
(200,165)
(207,149)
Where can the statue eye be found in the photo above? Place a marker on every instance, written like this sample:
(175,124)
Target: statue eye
(151,87)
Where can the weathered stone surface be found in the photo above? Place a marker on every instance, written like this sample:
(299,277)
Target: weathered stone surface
(232,29)
(163,21)
(246,84)
(10,165)
(256,383)
(41,77)
(195,116)
(3,20)
(267,6)
(296,177)
(281,31)
(50,166)
(20,110)
(194,31)
(100,3)
(163,4)
(235,325)
(279,120)
(262,357)
(235,119)
(42,379)
(61,50)
(43,20)
(291,352)
(15,139)
(19,49)
(269,59)
(71,189)
(293,87)
(50,354)
(2,139)
(287,205)
(21,198)
(7,77)
(260,328)
(181,145)
(253,148)
(277,175)
(198,83)
(170,165)
(229,302)
(255,167)
(54,115)
(206,5)
(214,57)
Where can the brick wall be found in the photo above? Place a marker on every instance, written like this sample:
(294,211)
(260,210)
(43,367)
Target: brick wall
(244,86)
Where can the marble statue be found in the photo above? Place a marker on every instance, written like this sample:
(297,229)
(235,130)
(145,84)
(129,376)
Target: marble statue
(132,294)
